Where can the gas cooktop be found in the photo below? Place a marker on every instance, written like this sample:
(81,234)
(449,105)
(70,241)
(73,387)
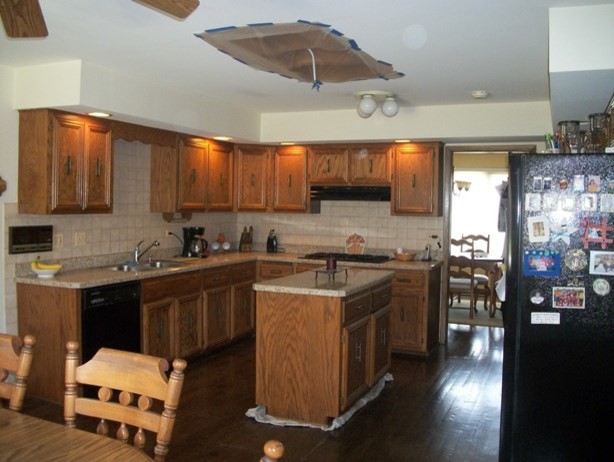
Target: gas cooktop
(361,258)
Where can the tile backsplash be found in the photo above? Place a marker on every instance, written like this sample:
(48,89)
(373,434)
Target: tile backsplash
(112,237)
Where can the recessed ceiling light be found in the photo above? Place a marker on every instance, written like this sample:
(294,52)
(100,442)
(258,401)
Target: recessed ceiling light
(287,143)
(479,94)
(222,138)
(99,114)
(402,141)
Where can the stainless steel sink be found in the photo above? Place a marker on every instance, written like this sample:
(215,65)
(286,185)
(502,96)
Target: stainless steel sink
(129,268)
(164,264)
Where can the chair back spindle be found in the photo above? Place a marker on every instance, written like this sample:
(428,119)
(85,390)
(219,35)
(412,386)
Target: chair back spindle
(15,358)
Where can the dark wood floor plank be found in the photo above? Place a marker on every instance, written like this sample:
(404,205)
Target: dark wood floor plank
(442,408)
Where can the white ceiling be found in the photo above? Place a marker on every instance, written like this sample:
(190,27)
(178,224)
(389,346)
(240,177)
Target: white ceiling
(446,48)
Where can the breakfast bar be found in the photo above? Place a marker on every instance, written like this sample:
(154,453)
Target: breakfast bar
(322,341)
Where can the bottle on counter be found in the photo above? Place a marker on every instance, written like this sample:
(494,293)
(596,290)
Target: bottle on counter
(271,242)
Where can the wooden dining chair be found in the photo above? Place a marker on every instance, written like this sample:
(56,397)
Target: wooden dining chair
(273,451)
(461,274)
(145,398)
(481,245)
(15,362)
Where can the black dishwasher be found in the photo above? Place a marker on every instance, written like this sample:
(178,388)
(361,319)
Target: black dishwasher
(111,317)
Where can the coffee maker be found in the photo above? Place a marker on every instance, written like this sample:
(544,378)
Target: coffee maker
(189,235)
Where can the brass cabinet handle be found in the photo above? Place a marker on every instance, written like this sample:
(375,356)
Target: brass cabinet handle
(359,352)
(193,176)
(382,336)
(413,181)
(328,166)
(221,179)
(359,307)
(68,165)
(253,181)
(275,271)
(402,313)
(98,167)
(370,165)
(289,181)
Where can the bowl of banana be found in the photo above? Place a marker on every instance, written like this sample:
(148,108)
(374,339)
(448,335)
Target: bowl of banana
(45,270)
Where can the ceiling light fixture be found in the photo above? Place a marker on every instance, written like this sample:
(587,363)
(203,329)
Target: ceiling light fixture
(479,94)
(368,103)
(222,138)
(99,114)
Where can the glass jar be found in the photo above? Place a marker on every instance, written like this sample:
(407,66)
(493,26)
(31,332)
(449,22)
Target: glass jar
(569,136)
(599,125)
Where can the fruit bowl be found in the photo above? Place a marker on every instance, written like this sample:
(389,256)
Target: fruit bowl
(46,273)
(401,254)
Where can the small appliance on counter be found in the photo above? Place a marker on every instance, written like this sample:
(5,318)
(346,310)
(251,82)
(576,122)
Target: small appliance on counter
(271,242)
(194,243)
(245,244)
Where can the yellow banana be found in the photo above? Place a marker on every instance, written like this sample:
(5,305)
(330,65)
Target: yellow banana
(37,264)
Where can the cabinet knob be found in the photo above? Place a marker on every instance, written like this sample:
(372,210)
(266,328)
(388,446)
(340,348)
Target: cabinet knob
(359,352)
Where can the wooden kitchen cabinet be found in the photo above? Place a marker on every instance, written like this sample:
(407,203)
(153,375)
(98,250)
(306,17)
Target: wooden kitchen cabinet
(252,177)
(219,177)
(328,165)
(290,179)
(192,175)
(414,323)
(243,299)
(65,163)
(417,179)
(274,269)
(370,164)
(172,315)
(355,361)
(216,306)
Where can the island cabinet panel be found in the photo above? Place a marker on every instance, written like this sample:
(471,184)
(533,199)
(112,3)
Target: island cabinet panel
(53,316)
(243,299)
(298,373)
(290,179)
(252,177)
(414,322)
(65,163)
(316,355)
(328,165)
(417,179)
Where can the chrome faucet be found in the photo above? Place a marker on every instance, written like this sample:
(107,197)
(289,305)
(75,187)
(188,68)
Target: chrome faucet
(137,251)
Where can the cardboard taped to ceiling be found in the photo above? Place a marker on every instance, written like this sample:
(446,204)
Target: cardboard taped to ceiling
(306,51)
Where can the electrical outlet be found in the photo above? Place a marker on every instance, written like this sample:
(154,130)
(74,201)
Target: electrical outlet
(79,239)
(58,241)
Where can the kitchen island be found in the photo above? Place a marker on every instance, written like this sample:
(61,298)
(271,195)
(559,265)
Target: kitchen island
(322,341)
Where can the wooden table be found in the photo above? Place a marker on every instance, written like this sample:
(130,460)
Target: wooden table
(23,437)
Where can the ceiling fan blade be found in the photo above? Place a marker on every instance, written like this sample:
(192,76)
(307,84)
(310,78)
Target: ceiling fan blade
(178,8)
(23,18)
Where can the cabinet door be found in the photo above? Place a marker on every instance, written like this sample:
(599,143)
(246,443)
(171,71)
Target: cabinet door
(355,359)
(370,164)
(219,177)
(414,180)
(98,161)
(243,305)
(158,328)
(188,314)
(67,164)
(252,174)
(192,175)
(290,179)
(329,165)
(217,316)
(380,340)
(406,320)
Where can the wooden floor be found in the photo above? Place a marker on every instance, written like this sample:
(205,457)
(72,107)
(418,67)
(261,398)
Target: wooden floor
(444,408)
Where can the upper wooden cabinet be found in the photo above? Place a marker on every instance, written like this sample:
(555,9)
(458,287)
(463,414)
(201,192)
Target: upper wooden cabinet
(252,173)
(364,164)
(196,176)
(65,163)
(290,179)
(370,164)
(328,165)
(417,179)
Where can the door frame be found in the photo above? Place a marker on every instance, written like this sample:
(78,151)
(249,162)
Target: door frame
(448,175)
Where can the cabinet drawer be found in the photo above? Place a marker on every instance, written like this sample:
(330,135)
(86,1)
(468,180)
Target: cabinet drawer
(243,272)
(270,270)
(409,279)
(216,277)
(170,286)
(356,308)
(382,296)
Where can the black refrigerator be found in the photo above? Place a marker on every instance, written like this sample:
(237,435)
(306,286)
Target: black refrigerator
(558,361)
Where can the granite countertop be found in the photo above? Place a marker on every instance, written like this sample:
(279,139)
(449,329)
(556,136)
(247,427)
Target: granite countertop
(98,276)
(346,281)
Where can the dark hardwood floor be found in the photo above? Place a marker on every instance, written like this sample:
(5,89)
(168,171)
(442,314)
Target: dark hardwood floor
(442,408)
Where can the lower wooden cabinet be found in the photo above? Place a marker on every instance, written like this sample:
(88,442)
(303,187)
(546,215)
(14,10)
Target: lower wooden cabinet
(414,324)
(274,269)
(243,306)
(216,306)
(172,309)
(381,346)
(355,361)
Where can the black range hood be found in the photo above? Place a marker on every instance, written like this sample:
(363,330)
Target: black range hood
(347,193)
